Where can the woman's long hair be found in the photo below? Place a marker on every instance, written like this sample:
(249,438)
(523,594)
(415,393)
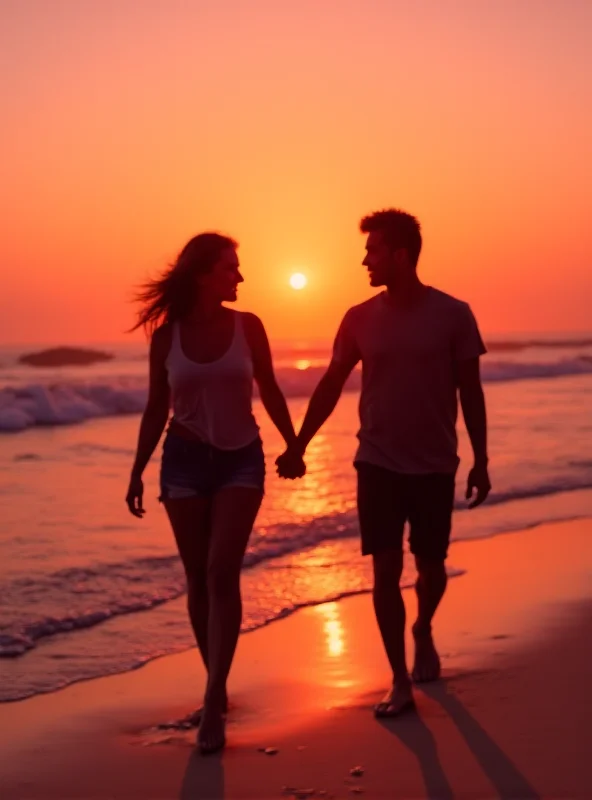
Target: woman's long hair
(171,296)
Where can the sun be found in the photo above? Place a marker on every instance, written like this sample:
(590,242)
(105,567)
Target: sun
(298,280)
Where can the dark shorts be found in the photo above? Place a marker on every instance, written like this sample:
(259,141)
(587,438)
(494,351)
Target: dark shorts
(191,468)
(387,500)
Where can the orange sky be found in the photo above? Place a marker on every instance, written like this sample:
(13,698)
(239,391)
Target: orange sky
(129,126)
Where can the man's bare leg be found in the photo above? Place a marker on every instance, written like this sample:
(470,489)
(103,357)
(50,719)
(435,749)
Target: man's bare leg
(390,615)
(430,588)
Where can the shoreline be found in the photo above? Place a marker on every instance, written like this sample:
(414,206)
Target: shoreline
(311,681)
(60,658)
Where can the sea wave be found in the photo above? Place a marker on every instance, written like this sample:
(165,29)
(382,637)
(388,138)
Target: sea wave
(550,343)
(70,402)
(95,594)
(38,607)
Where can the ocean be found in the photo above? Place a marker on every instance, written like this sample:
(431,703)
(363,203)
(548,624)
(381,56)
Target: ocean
(87,590)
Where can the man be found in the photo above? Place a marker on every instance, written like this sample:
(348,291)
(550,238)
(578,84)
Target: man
(418,347)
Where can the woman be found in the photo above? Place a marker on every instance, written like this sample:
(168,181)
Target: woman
(203,358)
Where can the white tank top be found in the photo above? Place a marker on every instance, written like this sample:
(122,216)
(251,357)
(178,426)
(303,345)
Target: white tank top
(214,400)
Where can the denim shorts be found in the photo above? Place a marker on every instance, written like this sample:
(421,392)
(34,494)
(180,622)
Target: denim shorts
(192,468)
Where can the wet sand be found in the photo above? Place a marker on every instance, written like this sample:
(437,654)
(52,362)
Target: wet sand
(510,718)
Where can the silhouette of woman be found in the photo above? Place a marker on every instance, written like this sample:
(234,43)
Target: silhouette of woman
(203,359)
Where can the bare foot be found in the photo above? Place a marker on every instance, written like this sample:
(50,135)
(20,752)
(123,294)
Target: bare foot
(195,717)
(212,730)
(398,700)
(427,661)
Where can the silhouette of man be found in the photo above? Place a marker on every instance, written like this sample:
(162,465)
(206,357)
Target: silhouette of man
(418,347)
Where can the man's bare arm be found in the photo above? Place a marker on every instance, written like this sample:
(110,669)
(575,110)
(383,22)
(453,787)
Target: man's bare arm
(472,401)
(323,401)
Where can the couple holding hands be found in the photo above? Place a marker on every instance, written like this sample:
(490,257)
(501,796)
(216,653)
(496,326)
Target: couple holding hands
(419,349)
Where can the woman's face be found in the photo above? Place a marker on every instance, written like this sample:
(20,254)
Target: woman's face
(221,283)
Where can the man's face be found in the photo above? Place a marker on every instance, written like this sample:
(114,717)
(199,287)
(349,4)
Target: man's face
(382,261)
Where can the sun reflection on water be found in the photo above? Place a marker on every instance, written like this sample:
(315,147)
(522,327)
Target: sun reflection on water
(319,493)
(333,628)
(338,667)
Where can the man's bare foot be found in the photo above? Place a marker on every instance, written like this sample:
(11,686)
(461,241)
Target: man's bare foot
(397,701)
(427,661)
(211,737)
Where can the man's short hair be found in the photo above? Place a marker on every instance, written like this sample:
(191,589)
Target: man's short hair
(398,228)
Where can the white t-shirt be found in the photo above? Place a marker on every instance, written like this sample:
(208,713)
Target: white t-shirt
(408,405)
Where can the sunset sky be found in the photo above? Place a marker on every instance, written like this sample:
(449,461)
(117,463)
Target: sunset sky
(130,125)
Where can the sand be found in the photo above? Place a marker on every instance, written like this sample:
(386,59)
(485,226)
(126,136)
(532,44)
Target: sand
(510,718)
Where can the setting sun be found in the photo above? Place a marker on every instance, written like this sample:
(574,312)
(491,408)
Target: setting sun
(298,280)
(268,303)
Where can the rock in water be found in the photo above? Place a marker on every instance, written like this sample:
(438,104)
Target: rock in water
(65,357)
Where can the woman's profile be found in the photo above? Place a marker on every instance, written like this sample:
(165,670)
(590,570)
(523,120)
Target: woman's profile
(203,359)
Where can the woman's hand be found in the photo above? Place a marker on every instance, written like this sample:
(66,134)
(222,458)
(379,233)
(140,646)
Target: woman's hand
(134,496)
(290,465)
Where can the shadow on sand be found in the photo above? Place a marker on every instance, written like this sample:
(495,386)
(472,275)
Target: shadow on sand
(419,740)
(495,764)
(204,778)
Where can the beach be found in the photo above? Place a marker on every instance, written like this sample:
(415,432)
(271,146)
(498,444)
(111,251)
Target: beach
(166,163)
(401,188)
(98,665)
(80,573)
(510,717)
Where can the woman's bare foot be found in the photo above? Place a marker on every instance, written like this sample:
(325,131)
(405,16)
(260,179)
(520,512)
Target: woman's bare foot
(398,700)
(195,717)
(211,737)
(427,661)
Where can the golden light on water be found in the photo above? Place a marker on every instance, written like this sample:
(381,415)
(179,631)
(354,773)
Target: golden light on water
(333,629)
(298,280)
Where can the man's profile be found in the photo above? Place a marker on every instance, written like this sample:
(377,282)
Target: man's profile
(419,349)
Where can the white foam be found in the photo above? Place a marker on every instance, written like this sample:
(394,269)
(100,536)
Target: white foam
(81,597)
(71,402)
(67,403)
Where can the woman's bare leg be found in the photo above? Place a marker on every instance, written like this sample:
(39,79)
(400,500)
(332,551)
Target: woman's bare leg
(233,513)
(190,521)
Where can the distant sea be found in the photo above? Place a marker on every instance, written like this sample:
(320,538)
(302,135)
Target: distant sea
(87,590)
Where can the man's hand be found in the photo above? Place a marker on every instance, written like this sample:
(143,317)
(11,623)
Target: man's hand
(290,465)
(134,496)
(478,482)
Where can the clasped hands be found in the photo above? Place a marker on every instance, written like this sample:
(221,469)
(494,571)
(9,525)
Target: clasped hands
(290,464)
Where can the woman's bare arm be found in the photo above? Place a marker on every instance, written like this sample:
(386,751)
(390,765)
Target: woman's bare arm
(154,418)
(271,395)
